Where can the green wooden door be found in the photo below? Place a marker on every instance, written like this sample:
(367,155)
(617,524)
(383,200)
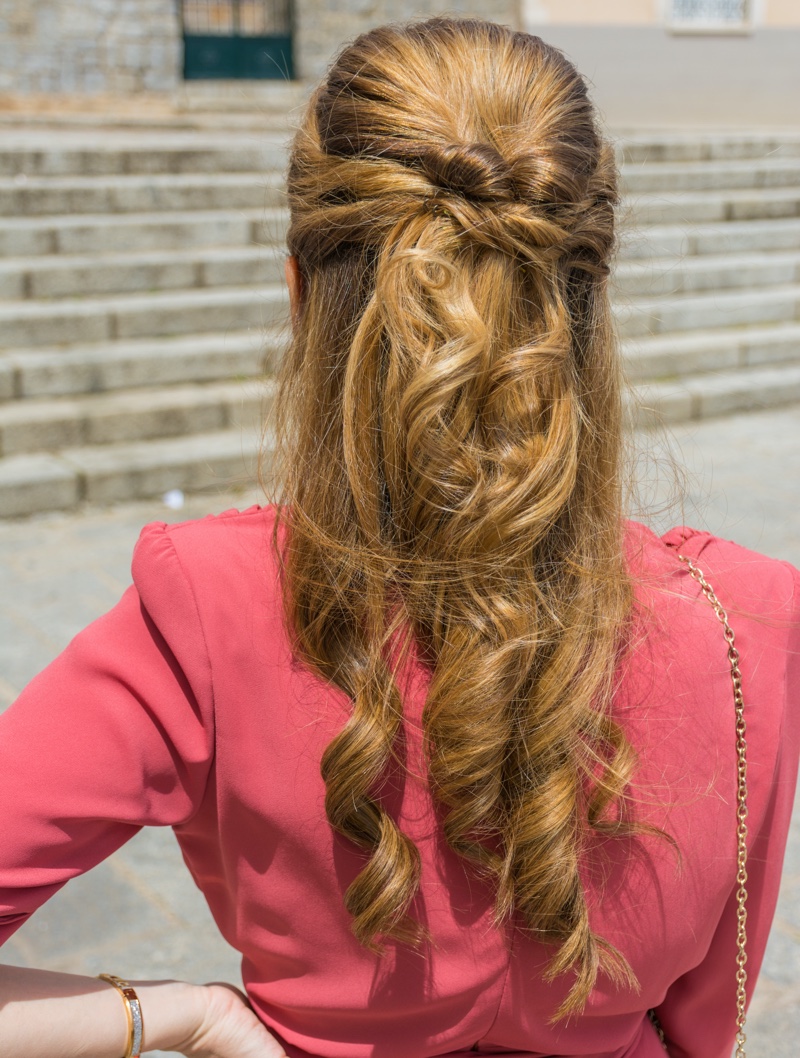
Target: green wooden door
(225,39)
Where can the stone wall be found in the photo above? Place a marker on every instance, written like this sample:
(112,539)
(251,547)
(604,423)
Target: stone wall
(121,47)
(89,46)
(322,26)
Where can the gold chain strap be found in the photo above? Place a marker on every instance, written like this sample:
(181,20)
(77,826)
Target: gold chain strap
(741,806)
(741,817)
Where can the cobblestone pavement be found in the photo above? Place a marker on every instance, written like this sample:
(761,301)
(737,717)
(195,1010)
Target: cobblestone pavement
(138,913)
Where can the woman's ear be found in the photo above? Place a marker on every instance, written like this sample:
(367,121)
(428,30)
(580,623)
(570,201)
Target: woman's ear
(294,281)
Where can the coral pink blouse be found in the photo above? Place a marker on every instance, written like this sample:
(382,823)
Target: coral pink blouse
(183,707)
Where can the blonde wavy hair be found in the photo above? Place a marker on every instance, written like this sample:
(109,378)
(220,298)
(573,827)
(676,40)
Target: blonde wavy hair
(449,451)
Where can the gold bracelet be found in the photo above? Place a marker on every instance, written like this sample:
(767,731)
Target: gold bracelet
(133,1009)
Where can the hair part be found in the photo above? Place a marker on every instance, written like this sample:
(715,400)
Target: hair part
(449,439)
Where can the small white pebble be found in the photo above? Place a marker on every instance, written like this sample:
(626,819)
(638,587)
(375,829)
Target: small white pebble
(174,499)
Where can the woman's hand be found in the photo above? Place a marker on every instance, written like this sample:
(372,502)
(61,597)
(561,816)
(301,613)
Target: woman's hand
(228,1028)
(47,1015)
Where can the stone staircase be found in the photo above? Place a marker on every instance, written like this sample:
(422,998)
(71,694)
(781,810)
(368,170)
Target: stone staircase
(707,287)
(142,306)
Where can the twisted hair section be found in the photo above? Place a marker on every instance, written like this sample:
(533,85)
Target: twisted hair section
(449,437)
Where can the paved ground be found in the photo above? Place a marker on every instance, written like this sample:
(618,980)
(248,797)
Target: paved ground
(138,914)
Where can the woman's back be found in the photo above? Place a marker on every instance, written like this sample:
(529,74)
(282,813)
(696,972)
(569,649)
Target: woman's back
(206,721)
(448,744)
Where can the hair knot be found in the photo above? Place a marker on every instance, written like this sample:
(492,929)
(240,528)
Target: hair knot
(475,170)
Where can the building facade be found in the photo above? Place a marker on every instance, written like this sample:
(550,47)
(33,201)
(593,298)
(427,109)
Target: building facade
(118,47)
(681,63)
(656,63)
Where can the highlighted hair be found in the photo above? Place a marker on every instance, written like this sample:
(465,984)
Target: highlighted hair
(449,443)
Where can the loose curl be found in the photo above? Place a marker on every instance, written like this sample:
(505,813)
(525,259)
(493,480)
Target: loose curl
(449,444)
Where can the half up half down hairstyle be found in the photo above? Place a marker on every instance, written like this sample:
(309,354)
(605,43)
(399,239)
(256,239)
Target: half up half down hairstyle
(448,449)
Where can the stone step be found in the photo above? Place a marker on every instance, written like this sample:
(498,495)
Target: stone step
(57,195)
(140,232)
(226,459)
(706,206)
(66,275)
(710,176)
(28,426)
(715,394)
(672,356)
(186,229)
(688,312)
(122,154)
(103,474)
(675,275)
(67,320)
(724,237)
(114,365)
(59,154)
(635,146)
(216,104)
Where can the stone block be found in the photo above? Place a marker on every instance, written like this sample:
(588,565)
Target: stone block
(161,79)
(12,282)
(648,278)
(67,278)
(33,483)
(746,390)
(781,173)
(150,232)
(773,345)
(53,374)
(678,209)
(638,243)
(657,403)
(111,473)
(747,271)
(249,406)
(34,323)
(781,202)
(240,267)
(205,310)
(137,54)
(96,81)
(671,177)
(35,426)
(665,276)
(189,191)
(663,148)
(743,145)
(681,355)
(123,82)
(165,361)
(139,416)
(718,309)
(37,197)
(634,320)
(22,238)
(7,378)
(746,237)
(270,227)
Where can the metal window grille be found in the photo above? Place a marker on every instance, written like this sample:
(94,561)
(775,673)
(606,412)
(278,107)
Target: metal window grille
(241,39)
(239,18)
(710,12)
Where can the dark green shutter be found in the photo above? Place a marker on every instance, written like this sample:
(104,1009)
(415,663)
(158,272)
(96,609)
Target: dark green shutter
(228,39)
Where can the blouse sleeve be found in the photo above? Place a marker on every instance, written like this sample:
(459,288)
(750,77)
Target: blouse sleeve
(115,734)
(698,1014)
